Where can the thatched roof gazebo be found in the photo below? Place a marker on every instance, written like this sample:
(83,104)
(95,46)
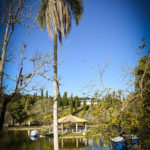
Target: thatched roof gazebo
(72,119)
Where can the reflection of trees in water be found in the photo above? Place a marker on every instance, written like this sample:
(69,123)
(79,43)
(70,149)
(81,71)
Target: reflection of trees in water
(14,139)
(73,144)
(20,140)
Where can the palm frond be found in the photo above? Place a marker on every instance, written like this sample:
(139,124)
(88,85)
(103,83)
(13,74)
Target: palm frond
(76,7)
(57,15)
(41,17)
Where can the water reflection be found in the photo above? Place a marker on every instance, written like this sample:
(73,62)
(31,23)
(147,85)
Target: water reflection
(33,138)
(19,140)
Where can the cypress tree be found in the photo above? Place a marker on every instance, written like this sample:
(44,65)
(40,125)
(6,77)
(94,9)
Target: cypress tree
(71,104)
(47,94)
(84,105)
(41,93)
(59,100)
(63,102)
(114,94)
(76,104)
(34,97)
(65,99)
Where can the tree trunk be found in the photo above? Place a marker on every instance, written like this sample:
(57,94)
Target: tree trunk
(55,87)
(2,60)
(3,111)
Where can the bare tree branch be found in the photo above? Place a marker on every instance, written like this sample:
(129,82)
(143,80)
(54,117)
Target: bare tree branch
(21,69)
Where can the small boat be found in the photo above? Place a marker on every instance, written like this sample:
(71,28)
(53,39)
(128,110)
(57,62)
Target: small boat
(117,139)
(33,138)
(119,143)
(34,133)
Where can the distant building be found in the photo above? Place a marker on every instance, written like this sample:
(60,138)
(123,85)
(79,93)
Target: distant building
(88,101)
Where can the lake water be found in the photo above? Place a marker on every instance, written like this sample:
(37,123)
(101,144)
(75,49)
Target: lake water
(19,140)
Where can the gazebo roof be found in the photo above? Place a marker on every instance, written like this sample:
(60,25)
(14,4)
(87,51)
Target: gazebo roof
(71,119)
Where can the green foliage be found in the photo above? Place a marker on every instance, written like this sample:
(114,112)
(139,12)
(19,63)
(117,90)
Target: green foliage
(76,8)
(41,110)
(38,111)
(58,100)
(112,121)
(142,86)
(62,23)
(47,94)
(17,110)
(84,105)
(130,115)
(41,93)
(41,17)
(34,97)
(114,93)
(47,118)
(65,99)
(76,104)
(142,71)
(71,104)
(51,98)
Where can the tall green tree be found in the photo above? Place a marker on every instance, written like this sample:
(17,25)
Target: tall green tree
(35,97)
(41,93)
(76,104)
(84,105)
(114,94)
(59,100)
(16,109)
(56,16)
(142,86)
(47,94)
(71,104)
(65,99)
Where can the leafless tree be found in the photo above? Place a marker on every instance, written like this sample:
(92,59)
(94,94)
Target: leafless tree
(92,84)
(12,12)
(41,65)
(141,51)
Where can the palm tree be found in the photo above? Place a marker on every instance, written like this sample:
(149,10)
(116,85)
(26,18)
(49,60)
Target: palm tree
(56,16)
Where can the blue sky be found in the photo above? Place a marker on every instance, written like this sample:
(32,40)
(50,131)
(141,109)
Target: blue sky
(108,31)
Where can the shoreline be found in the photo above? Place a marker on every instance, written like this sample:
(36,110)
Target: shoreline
(65,136)
(24,128)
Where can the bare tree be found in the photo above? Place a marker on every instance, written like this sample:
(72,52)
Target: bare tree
(141,51)
(12,12)
(41,65)
(93,84)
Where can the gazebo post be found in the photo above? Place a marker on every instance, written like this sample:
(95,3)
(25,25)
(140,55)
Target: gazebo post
(62,127)
(62,143)
(77,143)
(85,127)
(76,127)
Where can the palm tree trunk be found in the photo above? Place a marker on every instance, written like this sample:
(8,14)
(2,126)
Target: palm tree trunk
(55,87)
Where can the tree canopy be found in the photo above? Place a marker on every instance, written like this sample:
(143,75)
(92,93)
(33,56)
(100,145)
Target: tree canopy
(57,16)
